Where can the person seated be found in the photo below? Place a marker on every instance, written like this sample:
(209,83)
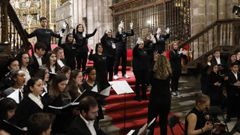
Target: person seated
(18,82)
(39,124)
(8,107)
(32,102)
(11,66)
(196,122)
(86,123)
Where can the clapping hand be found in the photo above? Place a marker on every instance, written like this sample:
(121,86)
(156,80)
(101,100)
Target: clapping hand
(167,30)
(131,25)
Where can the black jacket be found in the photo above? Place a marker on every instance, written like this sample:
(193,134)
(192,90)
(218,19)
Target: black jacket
(107,42)
(25,109)
(79,127)
(160,42)
(81,41)
(140,59)
(44,36)
(122,39)
(175,61)
(70,52)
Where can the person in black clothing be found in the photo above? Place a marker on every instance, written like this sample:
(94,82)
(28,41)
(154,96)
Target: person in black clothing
(59,96)
(70,51)
(75,84)
(82,46)
(109,50)
(205,69)
(233,92)
(175,61)
(88,86)
(8,107)
(160,96)
(197,122)
(121,50)
(31,103)
(160,39)
(140,69)
(148,47)
(99,60)
(218,60)
(44,34)
(40,124)
(6,80)
(37,59)
(215,90)
(86,123)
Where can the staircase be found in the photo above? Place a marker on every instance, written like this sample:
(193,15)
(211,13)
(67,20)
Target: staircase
(13,37)
(136,112)
(222,34)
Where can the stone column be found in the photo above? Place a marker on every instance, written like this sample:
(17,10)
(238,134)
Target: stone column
(198,16)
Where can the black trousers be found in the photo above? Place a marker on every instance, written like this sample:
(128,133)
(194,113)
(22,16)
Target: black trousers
(159,105)
(141,79)
(175,81)
(233,100)
(120,54)
(110,64)
(82,60)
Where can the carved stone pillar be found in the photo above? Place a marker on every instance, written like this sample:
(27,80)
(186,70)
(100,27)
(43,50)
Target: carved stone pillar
(4,20)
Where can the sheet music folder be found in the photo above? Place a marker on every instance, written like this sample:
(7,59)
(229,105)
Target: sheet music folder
(11,128)
(142,129)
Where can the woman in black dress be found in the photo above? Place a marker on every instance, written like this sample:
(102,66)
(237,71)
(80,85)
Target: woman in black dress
(160,96)
(82,46)
(100,65)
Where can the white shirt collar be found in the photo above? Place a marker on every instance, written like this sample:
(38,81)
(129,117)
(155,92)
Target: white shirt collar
(36,99)
(60,63)
(39,59)
(218,60)
(90,125)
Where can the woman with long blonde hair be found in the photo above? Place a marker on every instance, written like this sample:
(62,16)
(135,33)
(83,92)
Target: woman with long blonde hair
(160,96)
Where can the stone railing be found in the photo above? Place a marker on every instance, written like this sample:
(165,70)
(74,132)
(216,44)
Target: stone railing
(220,34)
(13,37)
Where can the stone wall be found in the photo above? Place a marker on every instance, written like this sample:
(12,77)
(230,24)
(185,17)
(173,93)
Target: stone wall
(91,13)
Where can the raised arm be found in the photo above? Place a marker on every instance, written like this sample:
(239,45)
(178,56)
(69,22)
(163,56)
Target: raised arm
(92,34)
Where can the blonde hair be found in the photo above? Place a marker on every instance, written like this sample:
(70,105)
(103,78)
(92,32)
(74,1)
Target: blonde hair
(162,68)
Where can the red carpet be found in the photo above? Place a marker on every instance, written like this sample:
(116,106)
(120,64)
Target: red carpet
(135,112)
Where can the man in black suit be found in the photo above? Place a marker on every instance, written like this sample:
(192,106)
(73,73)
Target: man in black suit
(37,58)
(218,60)
(233,92)
(86,123)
